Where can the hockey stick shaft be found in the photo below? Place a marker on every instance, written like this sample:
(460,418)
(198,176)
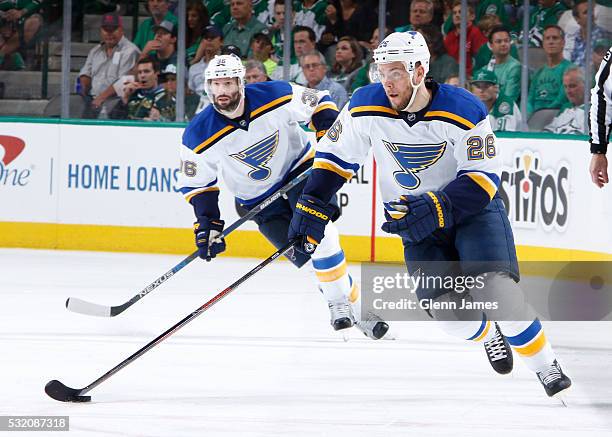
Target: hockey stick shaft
(185,320)
(84,307)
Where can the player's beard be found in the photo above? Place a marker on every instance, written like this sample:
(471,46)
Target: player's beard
(231,105)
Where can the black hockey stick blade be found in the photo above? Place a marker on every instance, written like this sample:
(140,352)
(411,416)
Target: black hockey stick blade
(63,393)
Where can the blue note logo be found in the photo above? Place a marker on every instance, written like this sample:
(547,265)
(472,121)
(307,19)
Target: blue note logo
(413,158)
(257,156)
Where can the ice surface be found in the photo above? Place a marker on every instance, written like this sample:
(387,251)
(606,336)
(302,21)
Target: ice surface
(264,361)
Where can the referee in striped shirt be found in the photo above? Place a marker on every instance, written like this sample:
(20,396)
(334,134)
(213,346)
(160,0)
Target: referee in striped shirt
(601,121)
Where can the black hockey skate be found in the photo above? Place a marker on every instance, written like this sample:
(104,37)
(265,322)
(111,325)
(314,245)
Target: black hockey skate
(499,353)
(373,326)
(554,380)
(340,312)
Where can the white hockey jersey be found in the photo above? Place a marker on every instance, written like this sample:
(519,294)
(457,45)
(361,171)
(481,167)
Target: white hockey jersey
(255,153)
(448,141)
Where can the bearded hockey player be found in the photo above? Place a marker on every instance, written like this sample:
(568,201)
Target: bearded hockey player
(251,136)
(439,171)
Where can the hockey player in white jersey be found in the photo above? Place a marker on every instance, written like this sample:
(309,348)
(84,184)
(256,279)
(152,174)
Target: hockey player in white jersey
(252,137)
(439,172)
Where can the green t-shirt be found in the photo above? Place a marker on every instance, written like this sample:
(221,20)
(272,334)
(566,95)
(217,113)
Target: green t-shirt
(220,14)
(546,88)
(484,55)
(145,30)
(362,78)
(241,37)
(191,51)
(30,5)
(509,77)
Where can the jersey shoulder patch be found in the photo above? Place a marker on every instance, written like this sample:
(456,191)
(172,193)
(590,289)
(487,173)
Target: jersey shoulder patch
(371,100)
(265,96)
(206,129)
(456,106)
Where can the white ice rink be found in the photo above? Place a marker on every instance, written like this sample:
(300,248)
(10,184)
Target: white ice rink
(264,361)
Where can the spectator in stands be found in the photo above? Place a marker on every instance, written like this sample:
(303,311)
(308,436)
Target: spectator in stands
(276,30)
(546,88)
(315,69)
(474,38)
(421,14)
(146,32)
(571,120)
(19,24)
(575,42)
(507,68)
(362,78)
(311,13)
(140,95)
(485,11)
(163,48)
(164,105)
(441,65)
(220,11)
(197,21)
(255,71)
(243,25)
(504,114)
(349,58)
(547,14)
(350,18)
(304,41)
(102,75)
(484,54)
(210,46)
(262,49)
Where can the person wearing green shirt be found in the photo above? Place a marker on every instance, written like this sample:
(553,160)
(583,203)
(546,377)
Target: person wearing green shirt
(546,88)
(504,114)
(486,7)
(507,68)
(547,13)
(159,12)
(242,27)
(221,15)
(311,13)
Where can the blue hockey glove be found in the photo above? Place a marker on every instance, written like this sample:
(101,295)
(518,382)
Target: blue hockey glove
(424,214)
(307,226)
(206,231)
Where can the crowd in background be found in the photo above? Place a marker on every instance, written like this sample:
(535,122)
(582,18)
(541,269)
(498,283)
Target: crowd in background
(331,49)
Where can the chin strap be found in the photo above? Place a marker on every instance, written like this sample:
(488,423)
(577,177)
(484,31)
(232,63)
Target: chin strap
(415,89)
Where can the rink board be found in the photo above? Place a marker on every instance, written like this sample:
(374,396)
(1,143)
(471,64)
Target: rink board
(111,186)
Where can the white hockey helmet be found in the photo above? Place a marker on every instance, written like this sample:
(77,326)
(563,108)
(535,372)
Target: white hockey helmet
(406,47)
(409,48)
(224,66)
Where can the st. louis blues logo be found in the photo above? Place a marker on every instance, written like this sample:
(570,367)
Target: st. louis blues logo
(258,155)
(413,158)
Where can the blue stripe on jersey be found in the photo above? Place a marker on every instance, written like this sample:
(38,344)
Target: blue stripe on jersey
(261,93)
(324,119)
(331,157)
(491,176)
(482,327)
(329,262)
(527,335)
(458,101)
(186,190)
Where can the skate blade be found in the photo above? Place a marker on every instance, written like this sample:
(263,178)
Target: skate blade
(562,397)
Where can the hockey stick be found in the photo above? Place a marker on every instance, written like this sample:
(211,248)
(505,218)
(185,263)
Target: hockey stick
(93,309)
(63,393)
